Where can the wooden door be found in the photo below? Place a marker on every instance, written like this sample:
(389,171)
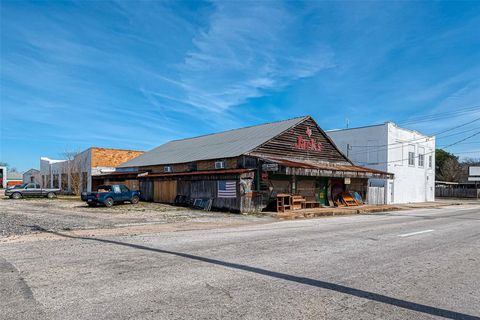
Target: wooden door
(165,191)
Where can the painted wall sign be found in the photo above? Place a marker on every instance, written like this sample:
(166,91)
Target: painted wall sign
(309,143)
(270,167)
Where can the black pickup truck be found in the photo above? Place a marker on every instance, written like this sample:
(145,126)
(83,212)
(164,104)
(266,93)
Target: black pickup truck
(30,190)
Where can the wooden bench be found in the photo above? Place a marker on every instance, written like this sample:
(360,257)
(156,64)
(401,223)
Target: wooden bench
(284,202)
(311,204)
(298,202)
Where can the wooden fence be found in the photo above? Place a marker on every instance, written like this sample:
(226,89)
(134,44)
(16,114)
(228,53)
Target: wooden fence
(441,192)
(376,195)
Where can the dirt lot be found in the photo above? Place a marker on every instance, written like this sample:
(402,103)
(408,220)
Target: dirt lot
(27,216)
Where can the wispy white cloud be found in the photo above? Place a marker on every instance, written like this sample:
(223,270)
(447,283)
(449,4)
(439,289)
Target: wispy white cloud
(247,51)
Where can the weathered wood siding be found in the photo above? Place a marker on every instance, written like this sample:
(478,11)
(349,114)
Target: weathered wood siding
(165,191)
(208,189)
(283,146)
(203,165)
(441,192)
(146,190)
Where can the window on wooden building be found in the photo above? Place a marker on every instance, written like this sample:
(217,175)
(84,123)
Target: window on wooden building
(192,166)
(219,164)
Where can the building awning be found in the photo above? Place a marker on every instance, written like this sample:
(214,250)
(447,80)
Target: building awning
(118,175)
(302,168)
(195,173)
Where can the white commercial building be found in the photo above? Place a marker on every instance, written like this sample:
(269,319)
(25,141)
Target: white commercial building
(408,154)
(78,173)
(53,173)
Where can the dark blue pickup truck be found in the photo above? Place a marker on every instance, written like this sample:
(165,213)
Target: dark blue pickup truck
(110,194)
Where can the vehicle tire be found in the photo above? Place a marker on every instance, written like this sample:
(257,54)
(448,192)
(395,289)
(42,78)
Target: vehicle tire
(16,195)
(135,200)
(51,195)
(108,202)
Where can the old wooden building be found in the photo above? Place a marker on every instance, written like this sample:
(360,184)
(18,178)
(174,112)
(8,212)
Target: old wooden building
(244,169)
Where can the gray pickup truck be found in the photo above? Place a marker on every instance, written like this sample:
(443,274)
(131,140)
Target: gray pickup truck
(30,190)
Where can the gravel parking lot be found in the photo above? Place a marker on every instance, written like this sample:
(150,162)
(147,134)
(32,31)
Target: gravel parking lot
(26,216)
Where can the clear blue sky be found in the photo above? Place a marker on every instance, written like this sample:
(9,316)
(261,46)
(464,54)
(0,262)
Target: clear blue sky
(137,74)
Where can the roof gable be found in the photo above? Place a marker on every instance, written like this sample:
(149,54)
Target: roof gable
(225,144)
(304,141)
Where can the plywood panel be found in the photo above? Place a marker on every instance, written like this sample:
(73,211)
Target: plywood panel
(165,191)
(103,157)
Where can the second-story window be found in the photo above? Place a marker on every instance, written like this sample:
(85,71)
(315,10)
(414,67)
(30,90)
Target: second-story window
(411,158)
(421,160)
(219,164)
(430,162)
(192,166)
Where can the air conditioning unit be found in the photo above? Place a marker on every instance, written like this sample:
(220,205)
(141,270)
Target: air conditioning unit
(167,169)
(219,164)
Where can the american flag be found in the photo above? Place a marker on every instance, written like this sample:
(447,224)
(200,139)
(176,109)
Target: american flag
(227,189)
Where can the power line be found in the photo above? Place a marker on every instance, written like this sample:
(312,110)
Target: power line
(457,133)
(445,147)
(466,152)
(462,125)
(470,142)
(400,144)
(442,115)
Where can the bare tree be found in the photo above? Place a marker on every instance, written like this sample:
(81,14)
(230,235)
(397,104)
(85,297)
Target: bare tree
(451,171)
(73,170)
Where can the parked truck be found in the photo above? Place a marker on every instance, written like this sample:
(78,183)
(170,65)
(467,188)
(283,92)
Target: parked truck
(30,190)
(108,195)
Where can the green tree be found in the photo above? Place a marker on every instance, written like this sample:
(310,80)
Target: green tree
(447,167)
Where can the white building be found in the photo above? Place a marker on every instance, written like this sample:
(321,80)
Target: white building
(81,171)
(408,154)
(32,175)
(52,172)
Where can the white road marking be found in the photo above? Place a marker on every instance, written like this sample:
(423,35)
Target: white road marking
(414,233)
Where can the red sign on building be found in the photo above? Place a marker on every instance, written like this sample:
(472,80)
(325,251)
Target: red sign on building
(309,143)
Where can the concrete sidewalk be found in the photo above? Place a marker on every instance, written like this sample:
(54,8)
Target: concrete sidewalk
(368,208)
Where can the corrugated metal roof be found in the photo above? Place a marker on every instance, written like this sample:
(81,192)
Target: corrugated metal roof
(225,144)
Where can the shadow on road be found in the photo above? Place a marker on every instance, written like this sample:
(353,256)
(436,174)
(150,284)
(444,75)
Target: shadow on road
(307,281)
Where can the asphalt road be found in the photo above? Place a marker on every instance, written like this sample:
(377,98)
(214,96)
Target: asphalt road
(419,264)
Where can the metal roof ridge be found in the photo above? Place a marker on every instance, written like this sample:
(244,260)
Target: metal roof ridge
(241,128)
